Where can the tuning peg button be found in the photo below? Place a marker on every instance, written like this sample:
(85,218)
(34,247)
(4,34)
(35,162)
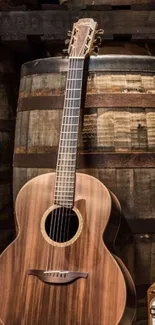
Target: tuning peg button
(69,33)
(65,51)
(99,40)
(100,32)
(94,53)
(67,41)
(96,50)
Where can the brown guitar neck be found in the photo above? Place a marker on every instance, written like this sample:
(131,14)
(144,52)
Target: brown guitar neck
(67,152)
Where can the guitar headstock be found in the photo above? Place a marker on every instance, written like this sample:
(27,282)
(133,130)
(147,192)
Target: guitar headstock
(82,38)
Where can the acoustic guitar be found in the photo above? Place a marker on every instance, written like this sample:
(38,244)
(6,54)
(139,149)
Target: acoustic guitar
(59,270)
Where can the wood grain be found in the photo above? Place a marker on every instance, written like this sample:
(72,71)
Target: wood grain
(114,2)
(138,23)
(31,300)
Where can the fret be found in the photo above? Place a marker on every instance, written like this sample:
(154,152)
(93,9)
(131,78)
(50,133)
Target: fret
(71,113)
(71,177)
(72,98)
(68,203)
(78,75)
(74,69)
(65,171)
(70,132)
(63,201)
(73,89)
(64,163)
(69,160)
(68,147)
(68,140)
(70,108)
(64,183)
(59,164)
(64,175)
(68,174)
(70,125)
(66,187)
(63,196)
(64,191)
(75,79)
(71,119)
(67,155)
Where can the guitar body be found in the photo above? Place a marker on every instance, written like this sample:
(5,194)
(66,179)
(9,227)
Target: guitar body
(105,297)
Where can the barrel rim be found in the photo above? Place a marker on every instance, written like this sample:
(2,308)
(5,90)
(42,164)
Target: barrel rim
(104,63)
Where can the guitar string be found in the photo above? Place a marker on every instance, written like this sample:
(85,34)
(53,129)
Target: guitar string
(58,177)
(69,129)
(65,151)
(73,87)
(77,124)
(70,85)
(64,154)
(73,118)
(52,231)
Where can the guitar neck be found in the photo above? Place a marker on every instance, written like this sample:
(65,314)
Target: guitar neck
(67,151)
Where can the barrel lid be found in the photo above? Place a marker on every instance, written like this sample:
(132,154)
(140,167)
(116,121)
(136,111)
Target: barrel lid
(105,63)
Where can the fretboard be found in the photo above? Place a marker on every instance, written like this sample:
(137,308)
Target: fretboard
(67,152)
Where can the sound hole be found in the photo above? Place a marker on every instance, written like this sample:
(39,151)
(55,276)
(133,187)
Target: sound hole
(61,224)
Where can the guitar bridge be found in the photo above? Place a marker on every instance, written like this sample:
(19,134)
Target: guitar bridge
(57,277)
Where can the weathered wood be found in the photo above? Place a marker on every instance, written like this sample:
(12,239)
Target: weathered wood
(106,100)
(8,92)
(119,129)
(114,2)
(89,159)
(18,5)
(138,254)
(56,23)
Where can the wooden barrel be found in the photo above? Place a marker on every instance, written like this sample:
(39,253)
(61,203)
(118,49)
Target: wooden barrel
(116,141)
(7,123)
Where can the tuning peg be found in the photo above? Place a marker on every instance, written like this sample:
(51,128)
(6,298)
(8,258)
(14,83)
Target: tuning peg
(100,32)
(98,41)
(65,51)
(67,41)
(95,50)
(69,33)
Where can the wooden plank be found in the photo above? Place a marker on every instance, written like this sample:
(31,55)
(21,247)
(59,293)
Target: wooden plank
(89,160)
(135,189)
(112,100)
(114,2)
(56,23)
